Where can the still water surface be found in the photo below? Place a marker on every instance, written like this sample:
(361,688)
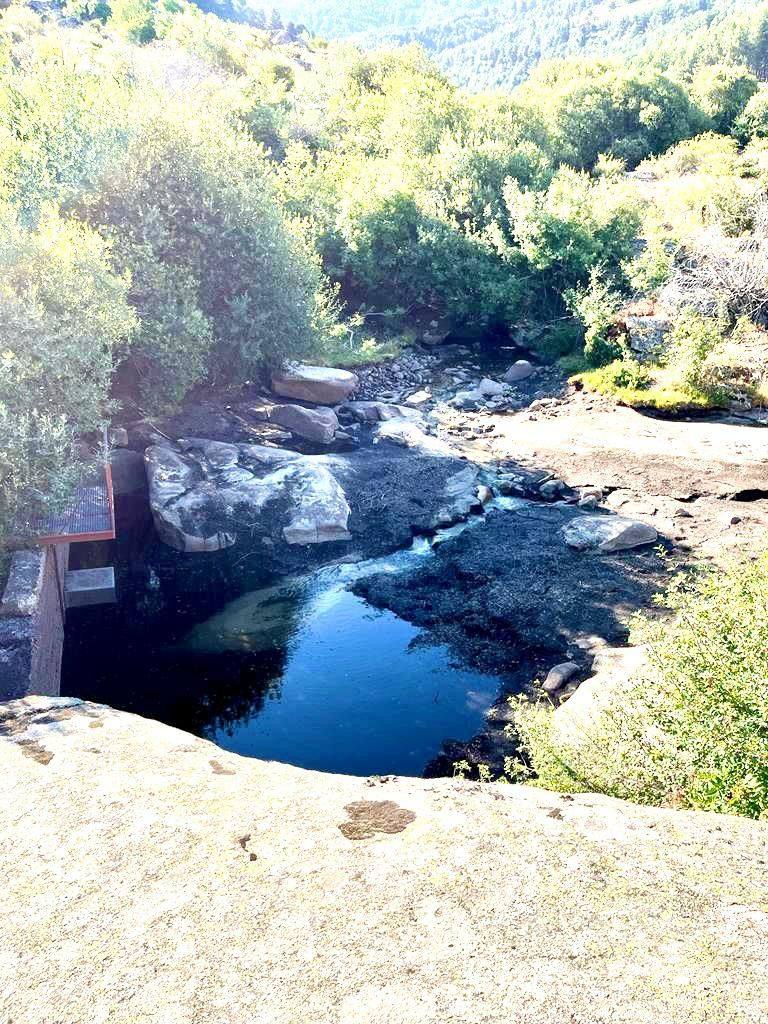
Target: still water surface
(303,672)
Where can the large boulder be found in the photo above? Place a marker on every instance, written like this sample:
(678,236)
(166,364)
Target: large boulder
(151,877)
(320,385)
(203,493)
(606,534)
(490,388)
(521,370)
(318,425)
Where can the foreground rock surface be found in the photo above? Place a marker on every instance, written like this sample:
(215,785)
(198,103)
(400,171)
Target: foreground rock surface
(152,878)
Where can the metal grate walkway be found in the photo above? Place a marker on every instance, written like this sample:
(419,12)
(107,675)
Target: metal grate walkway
(90,515)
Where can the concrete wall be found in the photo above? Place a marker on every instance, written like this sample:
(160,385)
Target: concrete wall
(32,623)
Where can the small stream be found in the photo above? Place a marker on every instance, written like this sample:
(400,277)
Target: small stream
(302,671)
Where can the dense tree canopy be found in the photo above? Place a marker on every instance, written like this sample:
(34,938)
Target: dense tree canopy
(497,43)
(602,107)
(240,193)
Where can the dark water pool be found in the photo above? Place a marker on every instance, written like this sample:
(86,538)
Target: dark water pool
(304,672)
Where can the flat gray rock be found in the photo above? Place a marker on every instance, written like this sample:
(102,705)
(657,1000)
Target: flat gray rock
(151,877)
(321,385)
(489,388)
(468,400)
(380,412)
(410,434)
(606,534)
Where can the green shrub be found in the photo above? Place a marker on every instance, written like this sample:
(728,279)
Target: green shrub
(731,209)
(85,10)
(716,154)
(596,306)
(723,91)
(40,464)
(603,107)
(692,732)
(64,317)
(134,18)
(575,226)
(620,375)
(61,125)
(561,339)
(218,280)
(392,248)
(753,122)
(650,271)
(694,340)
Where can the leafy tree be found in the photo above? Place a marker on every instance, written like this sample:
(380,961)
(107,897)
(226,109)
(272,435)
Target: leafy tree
(64,318)
(393,248)
(578,224)
(604,108)
(191,218)
(135,19)
(723,91)
(60,126)
(753,122)
(85,10)
(596,307)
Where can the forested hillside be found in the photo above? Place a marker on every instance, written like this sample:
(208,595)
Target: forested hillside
(496,44)
(188,200)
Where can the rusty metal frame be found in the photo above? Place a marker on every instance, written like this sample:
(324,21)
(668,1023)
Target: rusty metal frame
(81,538)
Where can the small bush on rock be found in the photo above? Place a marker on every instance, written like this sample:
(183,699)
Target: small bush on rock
(619,376)
(693,731)
(695,340)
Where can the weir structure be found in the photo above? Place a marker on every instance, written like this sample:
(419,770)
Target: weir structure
(41,587)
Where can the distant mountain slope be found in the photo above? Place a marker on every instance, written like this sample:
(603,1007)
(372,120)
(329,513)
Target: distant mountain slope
(490,43)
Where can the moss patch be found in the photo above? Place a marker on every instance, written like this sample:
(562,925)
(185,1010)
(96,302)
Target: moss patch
(641,388)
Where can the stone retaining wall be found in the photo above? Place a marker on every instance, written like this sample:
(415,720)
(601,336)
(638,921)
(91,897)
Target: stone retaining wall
(32,623)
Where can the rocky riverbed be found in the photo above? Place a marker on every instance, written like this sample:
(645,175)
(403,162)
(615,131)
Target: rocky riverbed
(580,509)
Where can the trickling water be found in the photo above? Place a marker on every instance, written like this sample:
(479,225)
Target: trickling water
(302,671)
